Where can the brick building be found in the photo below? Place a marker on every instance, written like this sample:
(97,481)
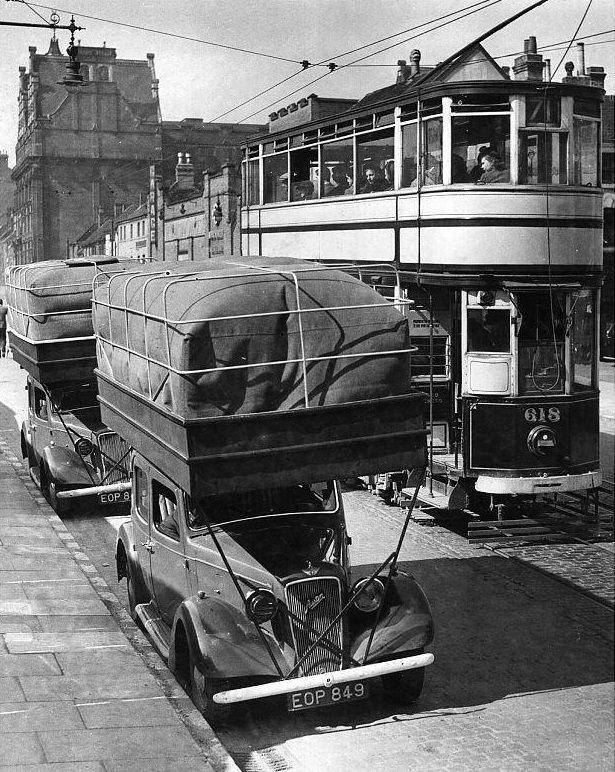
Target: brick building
(199,167)
(83,153)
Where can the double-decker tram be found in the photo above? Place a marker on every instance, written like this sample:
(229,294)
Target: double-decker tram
(471,196)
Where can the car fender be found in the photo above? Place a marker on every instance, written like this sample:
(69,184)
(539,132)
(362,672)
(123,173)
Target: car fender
(66,467)
(224,640)
(405,623)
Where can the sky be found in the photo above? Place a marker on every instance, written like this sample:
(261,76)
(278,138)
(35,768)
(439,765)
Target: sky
(207,77)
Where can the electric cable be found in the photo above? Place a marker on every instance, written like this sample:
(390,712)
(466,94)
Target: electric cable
(344,66)
(332,59)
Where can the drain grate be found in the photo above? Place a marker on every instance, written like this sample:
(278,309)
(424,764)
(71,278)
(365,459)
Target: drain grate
(265,760)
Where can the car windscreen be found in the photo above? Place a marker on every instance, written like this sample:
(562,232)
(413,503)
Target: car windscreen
(71,400)
(223,509)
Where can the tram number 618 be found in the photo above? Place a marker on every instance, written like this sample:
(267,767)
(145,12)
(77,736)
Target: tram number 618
(535,414)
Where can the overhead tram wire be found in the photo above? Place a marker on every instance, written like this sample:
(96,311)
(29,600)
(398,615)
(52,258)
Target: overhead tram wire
(560,45)
(344,66)
(329,61)
(162,32)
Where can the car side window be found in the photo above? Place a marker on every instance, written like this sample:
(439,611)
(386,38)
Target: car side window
(164,510)
(141,492)
(40,404)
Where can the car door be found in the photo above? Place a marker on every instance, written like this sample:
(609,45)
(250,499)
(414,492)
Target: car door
(168,566)
(41,435)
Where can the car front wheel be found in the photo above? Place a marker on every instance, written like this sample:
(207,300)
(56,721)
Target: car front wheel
(51,492)
(404,687)
(202,690)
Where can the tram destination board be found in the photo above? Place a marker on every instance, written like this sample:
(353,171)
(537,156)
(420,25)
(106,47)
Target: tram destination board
(305,699)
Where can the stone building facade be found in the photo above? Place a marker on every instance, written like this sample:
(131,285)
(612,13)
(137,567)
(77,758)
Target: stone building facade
(200,167)
(83,153)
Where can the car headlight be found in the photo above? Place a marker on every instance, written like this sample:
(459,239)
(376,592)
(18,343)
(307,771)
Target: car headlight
(371,594)
(261,606)
(84,447)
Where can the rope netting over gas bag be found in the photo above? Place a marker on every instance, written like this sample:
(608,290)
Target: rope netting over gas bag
(250,336)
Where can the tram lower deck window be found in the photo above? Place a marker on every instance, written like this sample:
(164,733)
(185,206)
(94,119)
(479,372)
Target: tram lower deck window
(489,330)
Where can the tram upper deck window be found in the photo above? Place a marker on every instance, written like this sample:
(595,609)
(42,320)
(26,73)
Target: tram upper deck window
(375,150)
(337,170)
(251,182)
(541,342)
(489,330)
(542,111)
(275,173)
(431,151)
(473,138)
(543,157)
(304,174)
(585,151)
(409,150)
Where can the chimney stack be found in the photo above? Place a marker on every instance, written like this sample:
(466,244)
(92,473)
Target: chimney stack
(529,66)
(415,63)
(581,60)
(184,172)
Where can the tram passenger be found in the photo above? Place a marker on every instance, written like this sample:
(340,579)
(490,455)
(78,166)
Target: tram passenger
(477,171)
(340,184)
(389,175)
(493,169)
(303,191)
(433,174)
(374,182)
(459,170)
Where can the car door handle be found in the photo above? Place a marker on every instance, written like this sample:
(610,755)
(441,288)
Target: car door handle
(149,545)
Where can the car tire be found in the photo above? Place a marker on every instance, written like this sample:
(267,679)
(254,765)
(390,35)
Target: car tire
(50,489)
(202,690)
(406,686)
(133,594)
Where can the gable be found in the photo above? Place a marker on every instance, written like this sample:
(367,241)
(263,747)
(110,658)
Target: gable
(475,64)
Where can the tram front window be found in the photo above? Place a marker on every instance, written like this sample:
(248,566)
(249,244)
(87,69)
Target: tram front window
(489,330)
(541,342)
(475,136)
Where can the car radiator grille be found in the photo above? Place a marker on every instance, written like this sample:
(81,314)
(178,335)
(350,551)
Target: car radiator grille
(313,604)
(113,448)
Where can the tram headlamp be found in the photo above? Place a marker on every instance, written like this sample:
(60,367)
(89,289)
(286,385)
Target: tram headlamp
(84,447)
(541,440)
(371,594)
(486,298)
(261,606)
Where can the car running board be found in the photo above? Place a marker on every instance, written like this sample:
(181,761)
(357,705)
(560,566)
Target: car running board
(158,631)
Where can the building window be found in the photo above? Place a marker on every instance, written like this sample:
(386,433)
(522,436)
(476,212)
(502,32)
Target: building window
(102,73)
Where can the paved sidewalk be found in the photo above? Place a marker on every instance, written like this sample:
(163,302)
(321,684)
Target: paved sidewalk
(81,690)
